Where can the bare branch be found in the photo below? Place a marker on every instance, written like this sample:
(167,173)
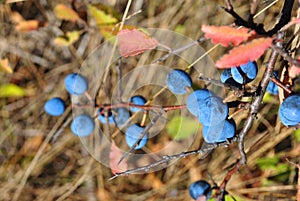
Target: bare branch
(257,101)
(284,19)
(180,49)
(166,159)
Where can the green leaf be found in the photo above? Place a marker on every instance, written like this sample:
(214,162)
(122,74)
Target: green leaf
(267,163)
(282,168)
(182,127)
(100,16)
(233,198)
(64,12)
(297,135)
(267,98)
(11,90)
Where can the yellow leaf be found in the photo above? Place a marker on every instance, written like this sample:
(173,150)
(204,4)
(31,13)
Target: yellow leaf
(4,66)
(68,39)
(73,36)
(61,41)
(100,16)
(11,90)
(65,13)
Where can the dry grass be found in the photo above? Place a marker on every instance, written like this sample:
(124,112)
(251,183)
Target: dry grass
(36,167)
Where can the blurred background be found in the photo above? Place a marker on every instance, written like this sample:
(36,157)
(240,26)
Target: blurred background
(40,159)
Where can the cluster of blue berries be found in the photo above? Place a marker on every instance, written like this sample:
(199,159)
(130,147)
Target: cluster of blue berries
(120,117)
(243,74)
(75,84)
(83,125)
(205,105)
(289,110)
(210,110)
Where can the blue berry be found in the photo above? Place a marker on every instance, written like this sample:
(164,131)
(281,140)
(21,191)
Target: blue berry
(212,111)
(177,81)
(209,108)
(76,84)
(219,132)
(82,125)
(225,75)
(200,188)
(132,135)
(226,78)
(195,98)
(121,117)
(272,88)
(55,107)
(247,71)
(102,117)
(137,100)
(289,110)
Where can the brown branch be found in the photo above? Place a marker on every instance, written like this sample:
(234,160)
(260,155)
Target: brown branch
(286,13)
(221,190)
(166,159)
(257,101)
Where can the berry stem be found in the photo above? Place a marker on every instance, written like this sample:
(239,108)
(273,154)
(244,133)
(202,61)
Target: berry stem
(281,85)
(144,107)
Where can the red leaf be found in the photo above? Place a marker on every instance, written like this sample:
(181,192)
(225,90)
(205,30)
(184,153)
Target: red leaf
(114,156)
(226,35)
(244,53)
(134,42)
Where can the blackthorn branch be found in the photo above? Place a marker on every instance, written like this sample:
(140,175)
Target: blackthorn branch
(257,101)
(166,159)
(284,18)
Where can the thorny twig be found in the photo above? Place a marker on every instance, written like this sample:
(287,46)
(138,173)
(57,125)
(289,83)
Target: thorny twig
(180,49)
(285,17)
(257,101)
(166,159)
